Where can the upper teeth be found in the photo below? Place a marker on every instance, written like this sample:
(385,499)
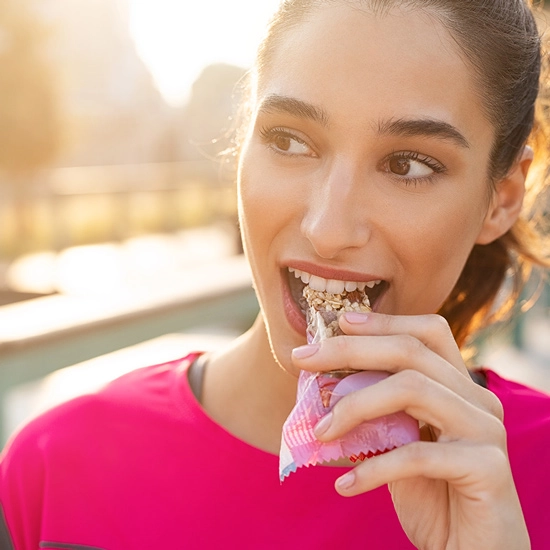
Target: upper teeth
(333,286)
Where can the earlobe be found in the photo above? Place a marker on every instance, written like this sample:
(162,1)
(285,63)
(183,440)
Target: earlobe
(507,200)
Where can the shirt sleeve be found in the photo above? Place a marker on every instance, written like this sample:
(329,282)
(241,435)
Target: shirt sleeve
(22,481)
(527,422)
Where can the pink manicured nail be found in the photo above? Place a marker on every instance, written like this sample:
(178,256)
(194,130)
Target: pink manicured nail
(305,351)
(346,481)
(323,425)
(356,318)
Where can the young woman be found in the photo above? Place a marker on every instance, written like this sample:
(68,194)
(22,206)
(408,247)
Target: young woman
(387,143)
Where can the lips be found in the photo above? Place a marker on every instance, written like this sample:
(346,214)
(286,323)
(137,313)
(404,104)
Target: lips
(334,286)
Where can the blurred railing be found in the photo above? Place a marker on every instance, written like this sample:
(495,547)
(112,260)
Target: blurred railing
(68,207)
(64,207)
(40,336)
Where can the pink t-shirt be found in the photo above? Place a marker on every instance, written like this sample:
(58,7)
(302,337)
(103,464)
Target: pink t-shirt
(138,465)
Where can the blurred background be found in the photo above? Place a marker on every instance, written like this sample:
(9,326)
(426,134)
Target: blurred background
(119,242)
(112,115)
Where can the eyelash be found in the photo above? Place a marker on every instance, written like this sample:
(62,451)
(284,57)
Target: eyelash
(431,163)
(270,134)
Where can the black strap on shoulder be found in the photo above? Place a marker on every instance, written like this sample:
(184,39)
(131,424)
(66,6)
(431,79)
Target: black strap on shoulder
(196,375)
(5,538)
(479,377)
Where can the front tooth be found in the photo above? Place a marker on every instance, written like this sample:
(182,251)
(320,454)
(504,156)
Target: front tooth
(335,287)
(350,286)
(317,283)
(371,284)
(305,277)
(361,286)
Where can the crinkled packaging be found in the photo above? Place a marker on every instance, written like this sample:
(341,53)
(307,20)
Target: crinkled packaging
(318,393)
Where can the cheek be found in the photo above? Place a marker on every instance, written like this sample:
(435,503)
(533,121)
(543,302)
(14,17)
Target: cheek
(259,206)
(249,193)
(267,197)
(449,221)
(436,248)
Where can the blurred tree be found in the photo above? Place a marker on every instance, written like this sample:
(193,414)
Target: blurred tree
(208,117)
(29,136)
(29,121)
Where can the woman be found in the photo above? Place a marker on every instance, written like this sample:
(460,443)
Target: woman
(387,143)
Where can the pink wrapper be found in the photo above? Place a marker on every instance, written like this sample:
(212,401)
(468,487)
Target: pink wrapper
(317,394)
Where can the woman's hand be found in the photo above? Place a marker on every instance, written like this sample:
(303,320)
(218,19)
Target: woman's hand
(454,489)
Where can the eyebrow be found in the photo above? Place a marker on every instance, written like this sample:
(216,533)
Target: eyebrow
(423,127)
(275,103)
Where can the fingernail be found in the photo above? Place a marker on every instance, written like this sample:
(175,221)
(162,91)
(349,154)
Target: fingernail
(323,425)
(305,351)
(356,318)
(346,481)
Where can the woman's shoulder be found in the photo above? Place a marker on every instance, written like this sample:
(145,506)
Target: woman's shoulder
(526,411)
(527,422)
(525,407)
(141,394)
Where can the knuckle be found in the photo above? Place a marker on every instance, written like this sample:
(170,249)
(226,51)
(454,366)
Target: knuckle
(409,346)
(437,324)
(348,404)
(416,453)
(385,322)
(495,407)
(498,431)
(489,429)
(501,457)
(411,381)
(495,461)
(489,402)
(346,409)
(342,344)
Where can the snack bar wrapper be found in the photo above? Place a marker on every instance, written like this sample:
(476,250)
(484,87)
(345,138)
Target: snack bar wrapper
(319,392)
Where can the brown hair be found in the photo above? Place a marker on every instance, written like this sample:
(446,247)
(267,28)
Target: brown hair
(500,40)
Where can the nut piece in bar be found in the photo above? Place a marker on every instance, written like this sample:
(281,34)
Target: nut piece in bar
(323,310)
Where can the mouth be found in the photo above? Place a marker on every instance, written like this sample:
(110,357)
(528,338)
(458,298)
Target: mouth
(298,279)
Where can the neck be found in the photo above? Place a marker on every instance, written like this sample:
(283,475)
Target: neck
(247,392)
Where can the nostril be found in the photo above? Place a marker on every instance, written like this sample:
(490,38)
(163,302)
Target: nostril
(329,233)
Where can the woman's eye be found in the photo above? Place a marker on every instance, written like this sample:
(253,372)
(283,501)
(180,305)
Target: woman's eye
(285,142)
(412,166)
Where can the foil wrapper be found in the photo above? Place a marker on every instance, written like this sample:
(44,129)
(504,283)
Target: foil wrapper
(316,396)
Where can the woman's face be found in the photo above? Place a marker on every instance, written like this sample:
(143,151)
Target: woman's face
(365,161)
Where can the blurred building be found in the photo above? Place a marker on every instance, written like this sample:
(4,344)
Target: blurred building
(112,111)
(209,118)
(119,160)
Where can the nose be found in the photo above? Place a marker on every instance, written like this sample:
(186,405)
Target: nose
(336,216)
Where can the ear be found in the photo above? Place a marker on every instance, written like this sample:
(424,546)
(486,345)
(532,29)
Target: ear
(507,200)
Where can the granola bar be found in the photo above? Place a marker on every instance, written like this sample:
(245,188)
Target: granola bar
(319,392)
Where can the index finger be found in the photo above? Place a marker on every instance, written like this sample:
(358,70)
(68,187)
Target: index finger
(432,330)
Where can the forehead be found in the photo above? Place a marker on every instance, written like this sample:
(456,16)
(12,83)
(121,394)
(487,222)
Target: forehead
(369,66)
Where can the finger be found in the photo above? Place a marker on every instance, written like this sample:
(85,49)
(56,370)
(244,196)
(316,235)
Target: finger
(452,416)
(455,462)
(432,330)
(394,353)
